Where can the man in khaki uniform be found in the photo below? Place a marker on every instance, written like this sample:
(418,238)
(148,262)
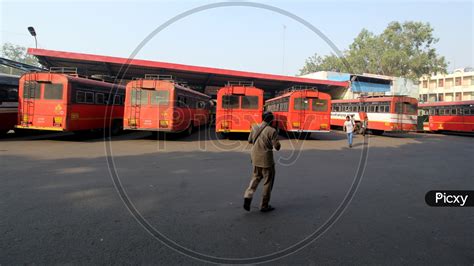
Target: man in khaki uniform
(264,138)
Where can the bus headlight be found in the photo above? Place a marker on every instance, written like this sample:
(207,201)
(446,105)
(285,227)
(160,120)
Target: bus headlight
(323,126)
(132,122)
(57,121)
(164,123)
(225,124)
(296,124)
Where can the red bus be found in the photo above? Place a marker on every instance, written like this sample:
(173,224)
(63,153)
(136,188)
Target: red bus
(64,102)
(8,102)
(448,116)
(301,111)
(384,113)
(158,103)
(239,106)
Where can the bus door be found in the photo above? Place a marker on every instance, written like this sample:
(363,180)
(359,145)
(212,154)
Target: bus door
(422,122)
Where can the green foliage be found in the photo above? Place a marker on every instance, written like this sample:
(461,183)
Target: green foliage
(402,50)
(16,53)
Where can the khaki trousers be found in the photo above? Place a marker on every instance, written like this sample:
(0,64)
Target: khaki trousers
(268,176)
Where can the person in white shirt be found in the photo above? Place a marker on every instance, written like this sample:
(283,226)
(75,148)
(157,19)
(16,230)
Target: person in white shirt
(349,129)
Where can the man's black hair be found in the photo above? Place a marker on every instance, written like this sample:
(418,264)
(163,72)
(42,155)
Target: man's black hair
(268,117)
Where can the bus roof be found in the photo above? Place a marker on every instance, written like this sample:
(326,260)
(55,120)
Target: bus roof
(445,103)
(176,84)
(372,99)
(292,92)
(78,79)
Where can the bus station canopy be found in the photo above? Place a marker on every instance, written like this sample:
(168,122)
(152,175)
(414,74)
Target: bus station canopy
(125,68)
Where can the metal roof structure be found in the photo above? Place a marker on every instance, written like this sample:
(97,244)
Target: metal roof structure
(89,64)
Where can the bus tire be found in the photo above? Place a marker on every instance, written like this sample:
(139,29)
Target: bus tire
(117,127)
(376,132)
(190,129)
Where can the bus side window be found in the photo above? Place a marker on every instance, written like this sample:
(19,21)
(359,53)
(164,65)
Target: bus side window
(117,100)
(13,95)
(89,97)
(99,98)
(106,98)
(80,97)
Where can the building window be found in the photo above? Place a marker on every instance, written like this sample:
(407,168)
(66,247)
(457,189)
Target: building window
(440,83)
(457,81)
(458,96)
(440,97)
(425,84)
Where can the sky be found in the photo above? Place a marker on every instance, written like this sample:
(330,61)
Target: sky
(240,38)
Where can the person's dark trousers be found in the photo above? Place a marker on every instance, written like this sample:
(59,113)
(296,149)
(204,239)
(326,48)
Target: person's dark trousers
(268,177)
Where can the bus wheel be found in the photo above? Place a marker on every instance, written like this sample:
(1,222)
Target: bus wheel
(377,132)
(301,135)
(116,127)
(221,135)
(189,130)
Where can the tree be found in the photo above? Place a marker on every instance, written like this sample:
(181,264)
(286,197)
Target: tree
(402,50)
(16,53)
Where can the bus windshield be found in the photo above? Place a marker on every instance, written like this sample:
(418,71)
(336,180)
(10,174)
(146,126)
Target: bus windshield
(230,101)
(31,90)
(301,104)
(159,97)
(249,102)
(406,108)
(320,105)
(53,91)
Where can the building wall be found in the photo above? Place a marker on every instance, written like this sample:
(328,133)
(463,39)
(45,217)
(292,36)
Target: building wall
(397,86)
(456,86)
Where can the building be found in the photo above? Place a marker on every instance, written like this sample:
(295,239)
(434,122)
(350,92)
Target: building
(367,84)
(456,86)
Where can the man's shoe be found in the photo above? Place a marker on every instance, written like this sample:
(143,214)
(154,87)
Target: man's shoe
(267,209)
(247,202)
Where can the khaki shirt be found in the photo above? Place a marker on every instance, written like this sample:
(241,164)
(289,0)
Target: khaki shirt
(262,149)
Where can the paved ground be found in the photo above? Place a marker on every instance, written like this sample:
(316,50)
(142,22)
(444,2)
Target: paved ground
(59,204)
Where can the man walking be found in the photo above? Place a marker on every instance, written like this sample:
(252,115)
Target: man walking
(349,129)
(264,138)
(364,123)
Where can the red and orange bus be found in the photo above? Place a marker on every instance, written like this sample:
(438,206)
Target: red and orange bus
(239,106)
(159,103)
(384,113)
(301,111)
(8,102)
(448,116)
(66,102)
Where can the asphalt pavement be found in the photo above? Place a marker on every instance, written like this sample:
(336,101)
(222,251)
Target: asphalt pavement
(60,202)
